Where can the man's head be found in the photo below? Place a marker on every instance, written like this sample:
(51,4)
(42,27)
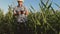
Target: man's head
(20,2)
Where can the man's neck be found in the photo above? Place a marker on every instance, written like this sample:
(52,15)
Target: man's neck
(20,5)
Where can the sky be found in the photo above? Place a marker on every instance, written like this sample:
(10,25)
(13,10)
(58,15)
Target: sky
(4,4)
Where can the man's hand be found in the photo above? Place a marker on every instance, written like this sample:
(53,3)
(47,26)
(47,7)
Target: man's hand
(15,14)
(19,12)
(26,13)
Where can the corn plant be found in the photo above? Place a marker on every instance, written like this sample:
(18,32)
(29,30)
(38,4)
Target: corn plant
(44,21)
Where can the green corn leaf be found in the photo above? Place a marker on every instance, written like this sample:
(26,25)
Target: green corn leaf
(57,5)
(49,5)
(53,10)
(32,7)
(47,2)
(38,22)
(43,3)
(40,6)
(30,10)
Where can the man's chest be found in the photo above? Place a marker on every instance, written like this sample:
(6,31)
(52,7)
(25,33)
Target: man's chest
(20,9)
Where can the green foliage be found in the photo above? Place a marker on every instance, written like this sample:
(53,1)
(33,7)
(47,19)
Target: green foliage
(45,21)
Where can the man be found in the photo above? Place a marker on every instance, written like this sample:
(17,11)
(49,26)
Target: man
(21,14)
(20,11)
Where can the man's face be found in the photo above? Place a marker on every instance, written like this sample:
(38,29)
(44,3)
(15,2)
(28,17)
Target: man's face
(20,2)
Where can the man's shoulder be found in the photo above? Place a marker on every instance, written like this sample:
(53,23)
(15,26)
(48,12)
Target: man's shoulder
(15,7)
(24,6)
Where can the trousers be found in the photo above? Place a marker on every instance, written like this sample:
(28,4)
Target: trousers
(21,28)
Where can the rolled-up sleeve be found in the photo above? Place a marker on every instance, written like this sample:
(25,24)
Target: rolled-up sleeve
(14,11)
(26,11)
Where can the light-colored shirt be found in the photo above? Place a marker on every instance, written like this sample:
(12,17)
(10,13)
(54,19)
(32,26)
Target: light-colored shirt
(21,17)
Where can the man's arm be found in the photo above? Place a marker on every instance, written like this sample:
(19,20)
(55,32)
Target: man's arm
(26,11)
(14,12)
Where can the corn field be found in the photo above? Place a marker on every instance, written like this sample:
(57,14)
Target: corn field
(44,21)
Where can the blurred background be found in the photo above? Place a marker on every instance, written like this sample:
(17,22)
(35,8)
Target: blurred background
(43,18)
(4,4)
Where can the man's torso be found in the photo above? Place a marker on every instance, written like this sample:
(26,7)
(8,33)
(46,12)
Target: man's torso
(21,17)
